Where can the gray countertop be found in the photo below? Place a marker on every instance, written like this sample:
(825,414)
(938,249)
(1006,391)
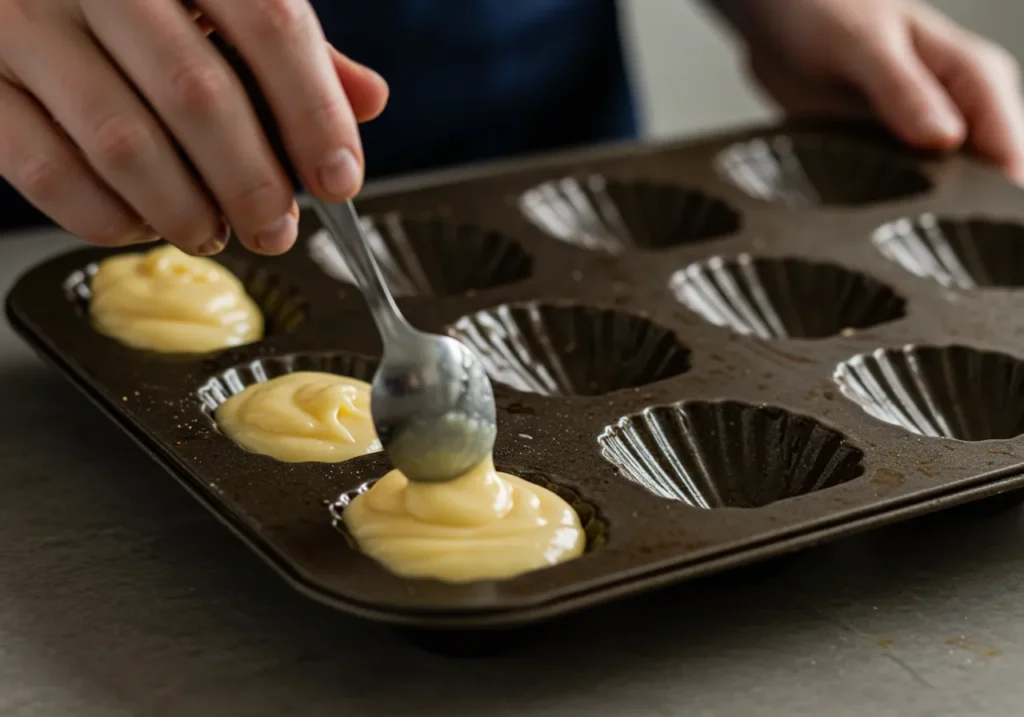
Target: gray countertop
(119,595)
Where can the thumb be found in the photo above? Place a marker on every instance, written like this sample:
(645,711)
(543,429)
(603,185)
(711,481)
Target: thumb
(366,90)
(904,93)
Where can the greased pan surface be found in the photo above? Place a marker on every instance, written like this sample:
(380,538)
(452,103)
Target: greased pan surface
(720,350)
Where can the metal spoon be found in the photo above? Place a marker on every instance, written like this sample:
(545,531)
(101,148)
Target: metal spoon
(432,403)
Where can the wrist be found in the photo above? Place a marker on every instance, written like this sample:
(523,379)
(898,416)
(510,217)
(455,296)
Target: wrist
(745,17)
(788,33)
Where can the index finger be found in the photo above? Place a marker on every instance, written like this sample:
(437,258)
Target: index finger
(284,45)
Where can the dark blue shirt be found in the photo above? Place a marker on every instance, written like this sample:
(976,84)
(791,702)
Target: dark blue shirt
(473,80)
(478,79)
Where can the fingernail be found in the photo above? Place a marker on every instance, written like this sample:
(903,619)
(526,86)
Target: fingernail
(340,175)
(216,243)
(278,237)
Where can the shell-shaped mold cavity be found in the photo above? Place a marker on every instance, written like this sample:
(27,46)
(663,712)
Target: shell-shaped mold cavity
(594,525)
(566,350)
(78,287)
(958,253)
(224,385)
(430,256)
(284,308)
(608,215)
(811,170)
(282,304)
(775,298)
(939,391)
(727,454)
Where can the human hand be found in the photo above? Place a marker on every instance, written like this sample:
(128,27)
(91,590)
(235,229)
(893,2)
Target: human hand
(933,83)
(99,97)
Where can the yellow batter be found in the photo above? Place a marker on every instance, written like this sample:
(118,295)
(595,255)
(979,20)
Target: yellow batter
(302,416)
(165,300)
(484,525)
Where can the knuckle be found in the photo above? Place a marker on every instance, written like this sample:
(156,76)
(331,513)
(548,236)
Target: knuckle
(328,113)
(120,144)
(255,200)
(279,20)
(848,28)
(41,177)
(324,122)
(199,87)
(996,59)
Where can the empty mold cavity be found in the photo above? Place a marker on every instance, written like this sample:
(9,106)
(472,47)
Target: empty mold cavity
(939,391)
(728,454)
(612,216)
(957,253)
(566,350)
(283,307)
(430,256)
(812,170)
(594,525)
(784,297)
(226,384)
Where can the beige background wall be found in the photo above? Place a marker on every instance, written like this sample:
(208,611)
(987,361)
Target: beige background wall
(689,73)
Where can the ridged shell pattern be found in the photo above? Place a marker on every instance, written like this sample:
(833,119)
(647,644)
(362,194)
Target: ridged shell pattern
(226,384)
(565,350)
(430,256)
(78,286)
(957,253)
(809,170)
(283,306)
(612,216)
(728,454)
(775,298)
(939,391)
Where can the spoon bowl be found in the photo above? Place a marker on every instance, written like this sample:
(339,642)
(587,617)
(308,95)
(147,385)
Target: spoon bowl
(433,408)
(431,401)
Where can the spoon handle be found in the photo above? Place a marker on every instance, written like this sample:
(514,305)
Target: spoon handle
(342,223)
